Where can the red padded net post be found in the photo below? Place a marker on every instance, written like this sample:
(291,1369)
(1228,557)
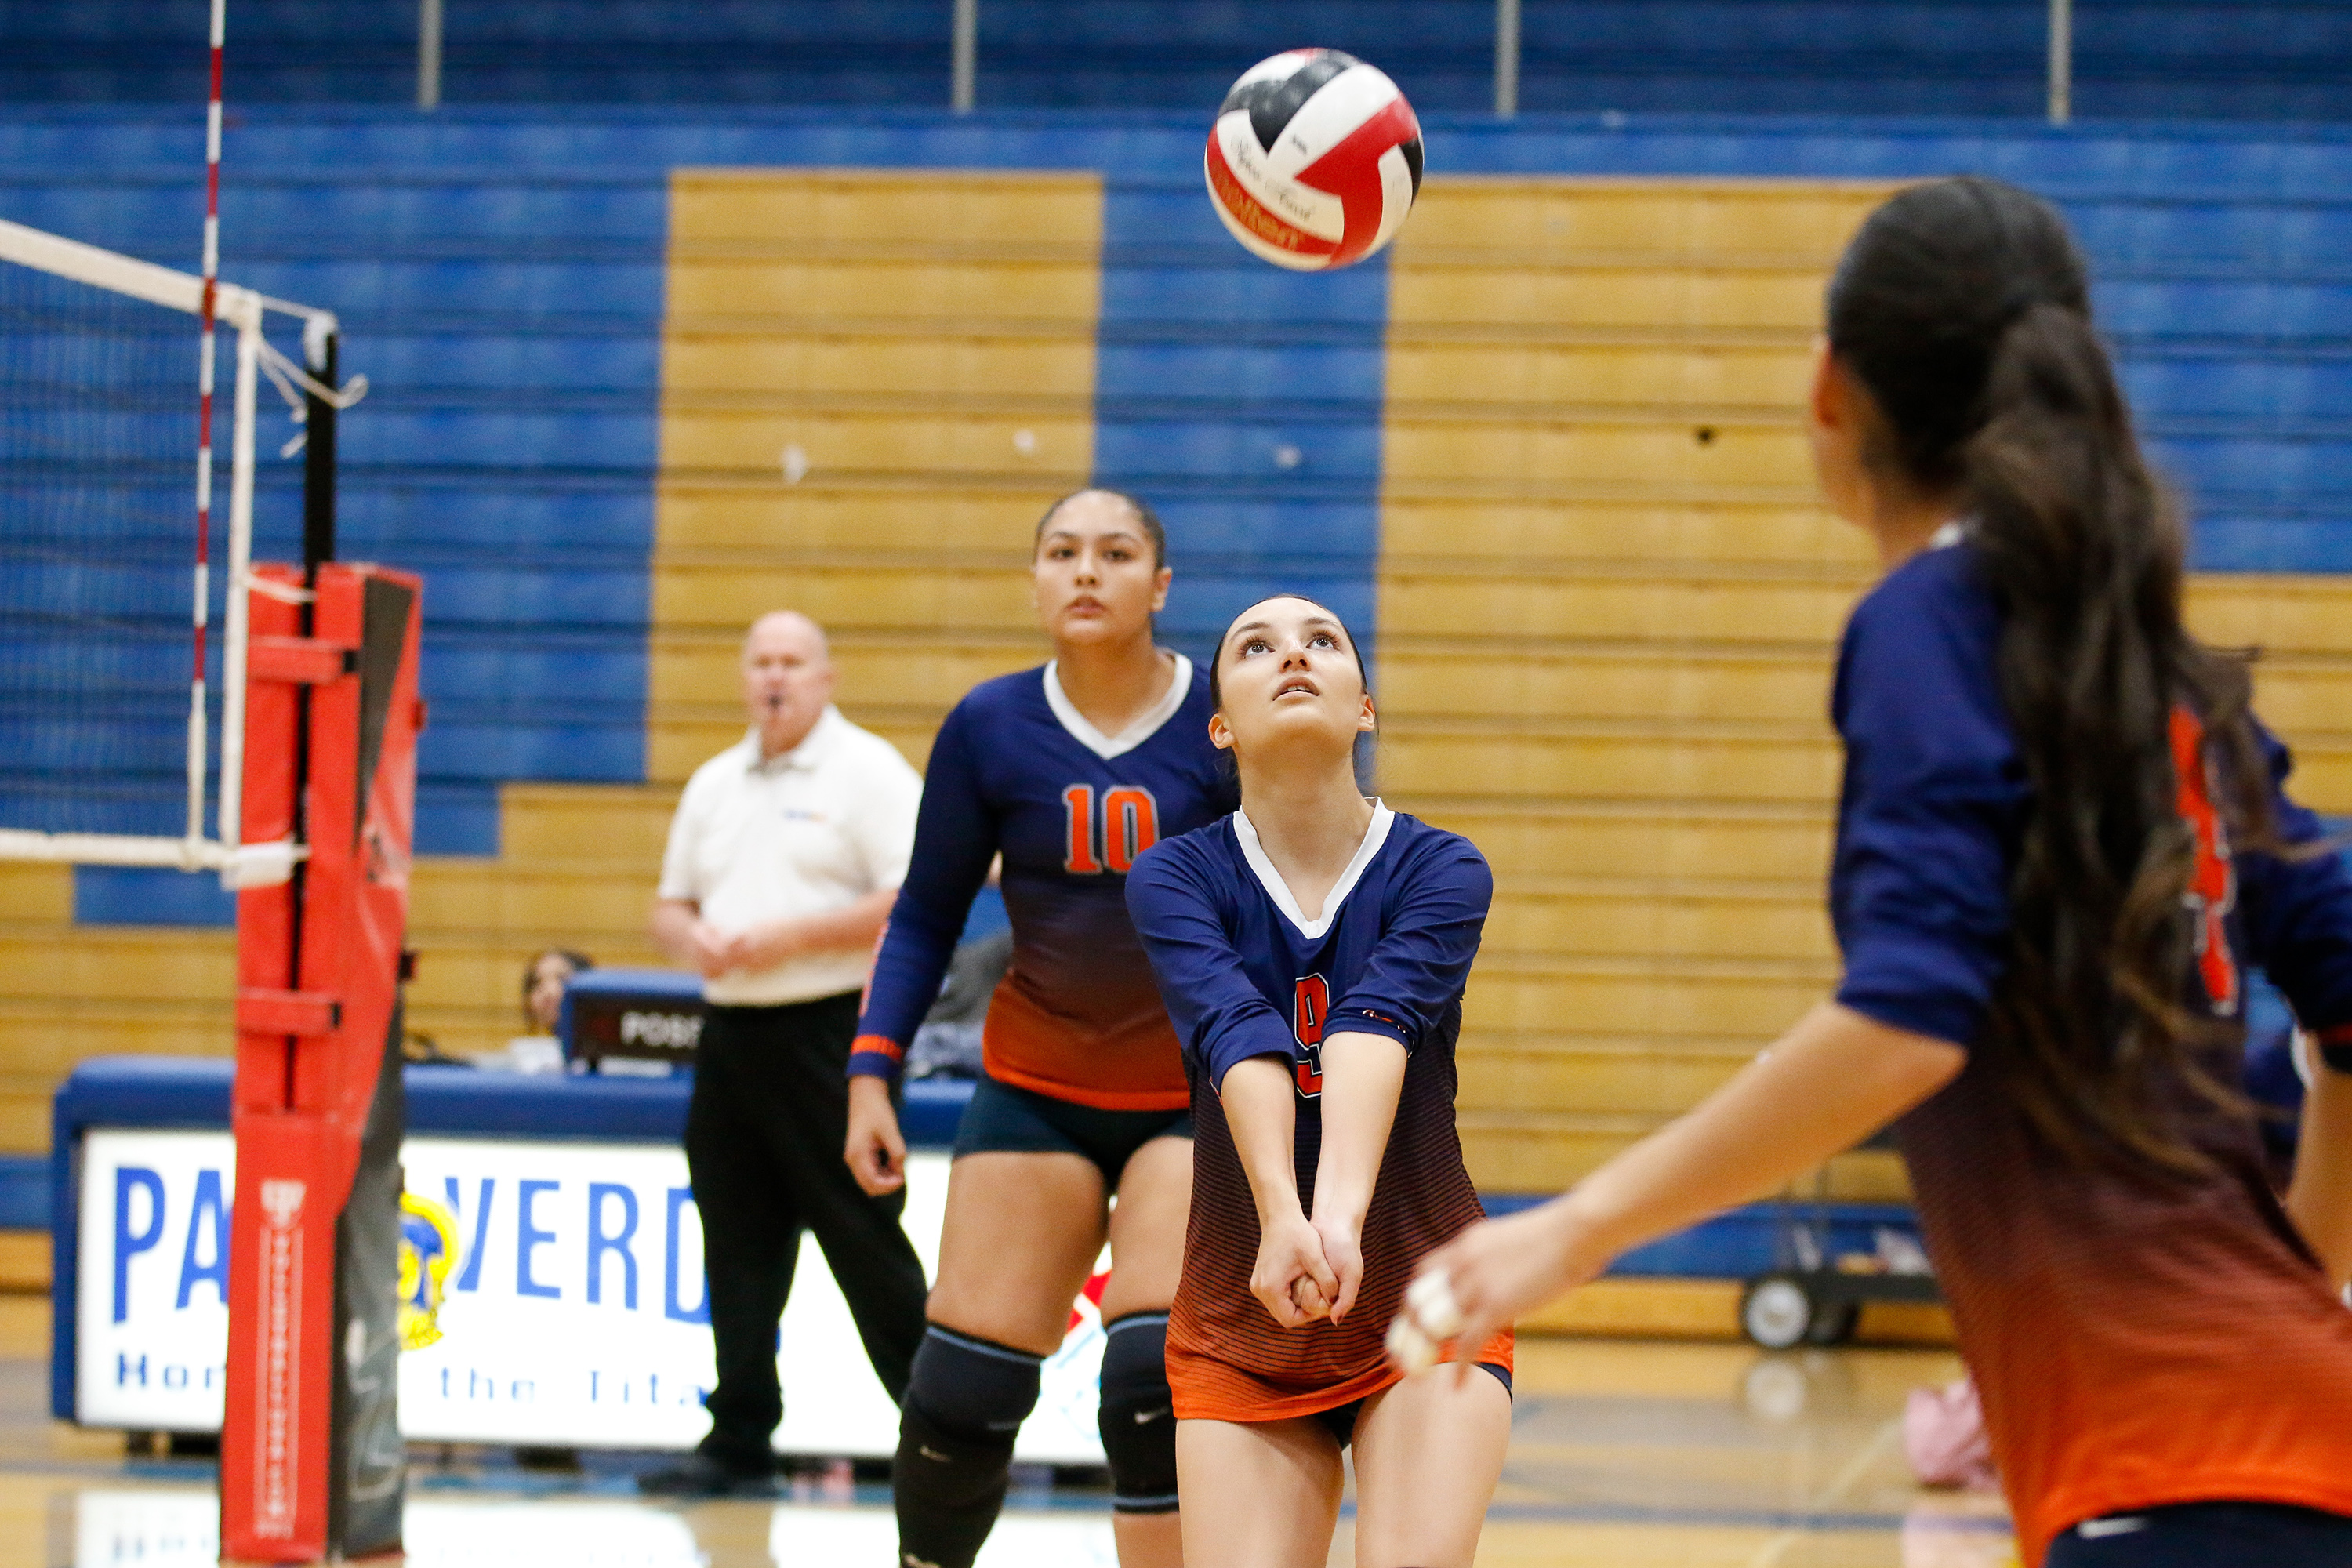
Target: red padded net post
(310,1449)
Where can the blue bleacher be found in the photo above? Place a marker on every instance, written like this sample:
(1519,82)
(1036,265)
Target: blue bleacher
(2259,60)
(499,272)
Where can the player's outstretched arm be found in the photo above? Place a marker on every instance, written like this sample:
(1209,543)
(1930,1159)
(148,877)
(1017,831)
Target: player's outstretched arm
(1362,1075)
(1291,1276)
(1828,1084)
(2320,1199)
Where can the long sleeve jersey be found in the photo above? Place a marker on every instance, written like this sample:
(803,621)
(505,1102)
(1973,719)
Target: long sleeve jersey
(1018,772)
(2138,1338)
(1246,975)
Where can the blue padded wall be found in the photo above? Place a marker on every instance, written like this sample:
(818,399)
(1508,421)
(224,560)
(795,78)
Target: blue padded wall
(509,323)
(2276,59)
(499,278)
(693,52)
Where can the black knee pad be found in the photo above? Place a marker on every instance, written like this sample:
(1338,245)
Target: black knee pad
(971,1388)
(965,1402)
(1138,1417)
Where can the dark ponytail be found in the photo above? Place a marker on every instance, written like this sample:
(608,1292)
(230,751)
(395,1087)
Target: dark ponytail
(1963,307)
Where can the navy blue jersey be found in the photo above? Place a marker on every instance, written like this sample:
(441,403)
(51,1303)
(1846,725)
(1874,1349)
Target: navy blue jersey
(1246,975)
(2138,1337)
(1935,800)
(1018,772)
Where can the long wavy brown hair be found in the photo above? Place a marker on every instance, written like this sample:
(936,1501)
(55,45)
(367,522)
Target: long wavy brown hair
(1964,309)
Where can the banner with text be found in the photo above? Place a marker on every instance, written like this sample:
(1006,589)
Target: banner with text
(551,1293)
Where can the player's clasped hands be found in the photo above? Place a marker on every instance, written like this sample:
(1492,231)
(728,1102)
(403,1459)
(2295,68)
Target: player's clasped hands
(1296,1279)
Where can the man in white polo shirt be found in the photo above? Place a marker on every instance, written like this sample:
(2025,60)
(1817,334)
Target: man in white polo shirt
(785,854)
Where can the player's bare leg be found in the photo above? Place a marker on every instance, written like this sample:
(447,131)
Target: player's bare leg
(1428,1453)
(1021,1232)
(1276,1487)
(1147,1253)
(1021,1235)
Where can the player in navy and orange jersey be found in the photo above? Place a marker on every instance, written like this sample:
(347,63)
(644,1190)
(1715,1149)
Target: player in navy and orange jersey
(2061,839)
(1313,948)
(1069,773)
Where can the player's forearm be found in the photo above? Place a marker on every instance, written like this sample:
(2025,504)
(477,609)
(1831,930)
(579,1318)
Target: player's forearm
(2320,1197)
(672,927)
(1262,1109)
(1831,1081)
(1362,1075)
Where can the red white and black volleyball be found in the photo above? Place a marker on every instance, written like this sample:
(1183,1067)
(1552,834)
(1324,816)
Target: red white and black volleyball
(1315,160)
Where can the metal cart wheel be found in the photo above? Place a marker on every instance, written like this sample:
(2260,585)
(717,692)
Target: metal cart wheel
(1777,1312)
(1832,1323)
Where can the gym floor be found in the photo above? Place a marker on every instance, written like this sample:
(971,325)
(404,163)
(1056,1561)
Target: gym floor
(1624,1454)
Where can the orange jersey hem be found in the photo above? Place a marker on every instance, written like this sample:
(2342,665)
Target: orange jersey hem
(1194,1406)
(2064,1510)
(1023,1043)
(1097,1099)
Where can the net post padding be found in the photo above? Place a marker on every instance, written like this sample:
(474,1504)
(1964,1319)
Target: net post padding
(311,1463)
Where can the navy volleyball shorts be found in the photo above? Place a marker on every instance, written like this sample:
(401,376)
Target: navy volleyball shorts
(2207,1535)
(1002,1119)
(1340,1419)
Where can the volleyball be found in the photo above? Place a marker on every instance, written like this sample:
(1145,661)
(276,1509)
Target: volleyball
(1313,161)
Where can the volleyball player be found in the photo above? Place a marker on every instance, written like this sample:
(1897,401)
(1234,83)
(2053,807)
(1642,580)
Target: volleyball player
(1312,948)
(2062,838)
(1068,773)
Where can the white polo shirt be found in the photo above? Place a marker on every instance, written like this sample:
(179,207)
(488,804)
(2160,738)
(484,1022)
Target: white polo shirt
(802,834)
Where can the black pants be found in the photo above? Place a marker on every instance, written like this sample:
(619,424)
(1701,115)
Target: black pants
(763,1141)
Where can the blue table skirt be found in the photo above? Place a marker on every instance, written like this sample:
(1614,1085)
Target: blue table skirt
(194,1092)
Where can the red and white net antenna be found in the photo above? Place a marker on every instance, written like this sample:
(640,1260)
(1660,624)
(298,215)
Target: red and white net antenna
(207,314)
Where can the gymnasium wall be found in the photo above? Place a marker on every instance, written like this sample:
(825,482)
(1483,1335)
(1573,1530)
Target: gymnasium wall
(2252,59)
(1545,454)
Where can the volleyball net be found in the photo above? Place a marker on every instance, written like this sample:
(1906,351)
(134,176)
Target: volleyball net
(122,632)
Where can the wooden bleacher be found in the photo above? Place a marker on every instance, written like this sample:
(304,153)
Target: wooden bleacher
(903,332)
(1606,610)
(925,343)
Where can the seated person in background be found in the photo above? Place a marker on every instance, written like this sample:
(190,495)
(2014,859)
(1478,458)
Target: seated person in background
(544,980)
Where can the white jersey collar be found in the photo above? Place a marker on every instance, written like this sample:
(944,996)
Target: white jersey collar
(1145,726)
(1375,834)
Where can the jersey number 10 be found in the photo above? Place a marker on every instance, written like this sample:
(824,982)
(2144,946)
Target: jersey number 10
(1128,825)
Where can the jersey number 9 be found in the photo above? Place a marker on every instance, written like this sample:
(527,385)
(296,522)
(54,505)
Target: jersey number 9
(1310,1009)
